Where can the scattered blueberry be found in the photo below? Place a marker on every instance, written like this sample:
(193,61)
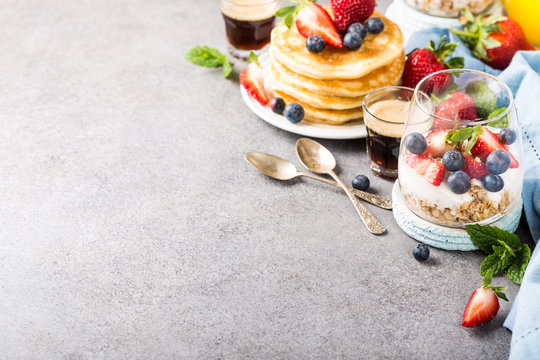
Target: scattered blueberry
(277,105)
(358,28)
(421,252)
(507,136)
(375,25)
(497,162)
(493,183)
(453,160)
(360,182)
(294,112)
(459,182)
(352,40)
(416,143)
(315,44)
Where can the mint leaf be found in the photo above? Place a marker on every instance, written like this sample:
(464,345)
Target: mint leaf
(499,123)
(485,237)
(209,57)
(253,58)
(486,282)
(490,264)
(483,97)
(471,143)
(516,271)
(284,11)
(289,19)
(470,134)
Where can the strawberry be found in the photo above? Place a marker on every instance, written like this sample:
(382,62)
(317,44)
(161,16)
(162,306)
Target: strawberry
(483,304)
(475,168)
(459,107)
(432,170)
(312,19)
(488,142)
(423,62)
(436,143)
(492,39)
(347,12)
(251,79)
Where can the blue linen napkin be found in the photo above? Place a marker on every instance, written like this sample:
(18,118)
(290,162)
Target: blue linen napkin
(523,78)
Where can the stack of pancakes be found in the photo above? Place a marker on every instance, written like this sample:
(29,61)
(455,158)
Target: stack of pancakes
(331,85)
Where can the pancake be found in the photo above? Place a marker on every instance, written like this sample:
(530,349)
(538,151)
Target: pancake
(289,48)
(322,116)
(384,76)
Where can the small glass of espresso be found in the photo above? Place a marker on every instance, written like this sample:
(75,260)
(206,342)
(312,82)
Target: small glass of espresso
(248,24)
(385,112)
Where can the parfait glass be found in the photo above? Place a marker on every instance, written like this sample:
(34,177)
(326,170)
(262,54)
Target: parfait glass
(460,159)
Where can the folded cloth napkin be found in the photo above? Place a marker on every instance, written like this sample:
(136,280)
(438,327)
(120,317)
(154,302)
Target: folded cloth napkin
(523,78)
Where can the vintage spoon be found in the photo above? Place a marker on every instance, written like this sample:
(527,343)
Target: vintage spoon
(318,159)
(282,169)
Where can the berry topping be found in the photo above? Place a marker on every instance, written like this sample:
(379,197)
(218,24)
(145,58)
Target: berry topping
(347,12)
(358,28)
(436,143)
(453,160)
(475,168)
(507,136)
(487,143)
(459,182)
(493,183)
(251,79)
(375,25)
(416,143)
(459,107)
(360,182)
(294,113)
(277,105)
(421,252)
(315,44)
(497,162)
(483,304)
(312,19)
(352,41)
(430,169)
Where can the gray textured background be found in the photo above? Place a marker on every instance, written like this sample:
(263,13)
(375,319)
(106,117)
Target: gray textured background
(131,226)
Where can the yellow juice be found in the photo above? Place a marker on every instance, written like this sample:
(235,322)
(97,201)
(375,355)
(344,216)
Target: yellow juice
(527,14)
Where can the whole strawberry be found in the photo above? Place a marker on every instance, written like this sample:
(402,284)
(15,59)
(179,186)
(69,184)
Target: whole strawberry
(459,107)
(347,12)
(423,62)
(492,39)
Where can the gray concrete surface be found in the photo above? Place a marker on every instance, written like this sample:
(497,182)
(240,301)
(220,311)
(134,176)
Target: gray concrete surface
(131,226)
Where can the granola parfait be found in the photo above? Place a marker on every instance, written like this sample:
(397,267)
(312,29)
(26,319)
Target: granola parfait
(460,160)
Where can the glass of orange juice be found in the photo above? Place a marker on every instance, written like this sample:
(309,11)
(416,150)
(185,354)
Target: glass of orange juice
(527,14)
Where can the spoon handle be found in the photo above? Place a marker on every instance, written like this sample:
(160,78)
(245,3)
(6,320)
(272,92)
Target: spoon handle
(371,222)
(377,200)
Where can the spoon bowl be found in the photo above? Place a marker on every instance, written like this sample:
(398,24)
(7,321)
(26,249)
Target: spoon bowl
(272,165)
(314,156)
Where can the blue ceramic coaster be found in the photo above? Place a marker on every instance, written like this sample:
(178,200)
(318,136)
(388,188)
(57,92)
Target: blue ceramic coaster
(440,236)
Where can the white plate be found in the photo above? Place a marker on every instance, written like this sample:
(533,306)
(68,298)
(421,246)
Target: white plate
(350,130)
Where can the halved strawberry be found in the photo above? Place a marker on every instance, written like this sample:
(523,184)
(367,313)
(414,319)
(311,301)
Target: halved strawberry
(251,79)
(476,169)
(436,143)
(483,304)
(488,142)
(459,107)
(312,19)
(430,169)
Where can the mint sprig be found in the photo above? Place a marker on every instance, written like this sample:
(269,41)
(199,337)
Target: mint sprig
(209,57)
(469,134)
(288,13)
(499,123)
(504,249)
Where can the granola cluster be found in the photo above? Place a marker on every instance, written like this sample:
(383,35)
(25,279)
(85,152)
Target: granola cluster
(449,7)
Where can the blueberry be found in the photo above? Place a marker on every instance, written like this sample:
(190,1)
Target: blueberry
(507,136)
(375,25)
(453,160)
(493,183)
(360,182)
(497,162)
(416,143)
(277,105)
(358,28)
(421,252)
(459,182)
(294,112)
(315,44)
(352,40)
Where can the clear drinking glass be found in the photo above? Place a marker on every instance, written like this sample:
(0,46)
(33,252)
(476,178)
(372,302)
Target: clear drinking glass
(248,24)
(433,189)
(385,111)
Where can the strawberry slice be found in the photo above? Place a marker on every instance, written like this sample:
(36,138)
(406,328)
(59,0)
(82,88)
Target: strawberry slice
(488,142)
(251,79)
(483,304)
(312,19)
(476,169)
(430,169)
(436,143)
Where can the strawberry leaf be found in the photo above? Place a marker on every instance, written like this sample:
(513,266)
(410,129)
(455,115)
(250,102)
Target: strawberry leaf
(252,58)
(499,293)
